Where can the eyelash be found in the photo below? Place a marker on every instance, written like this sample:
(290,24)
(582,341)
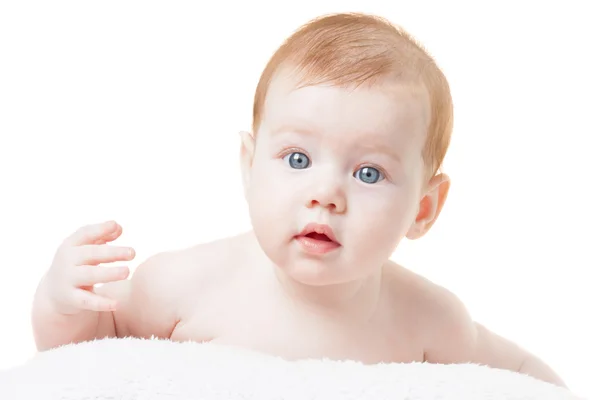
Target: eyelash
(381,170)
(291,150)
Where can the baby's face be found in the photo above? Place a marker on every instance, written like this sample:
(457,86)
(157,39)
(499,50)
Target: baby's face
(346,158)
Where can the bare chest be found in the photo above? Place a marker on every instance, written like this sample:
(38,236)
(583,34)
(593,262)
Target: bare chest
(296,337)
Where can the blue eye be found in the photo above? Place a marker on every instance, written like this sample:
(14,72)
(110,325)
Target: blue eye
(368,175)
(298,160)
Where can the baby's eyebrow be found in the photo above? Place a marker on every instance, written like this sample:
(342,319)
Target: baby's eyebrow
(382,148)
(292,129)
(363,143)
(369,142)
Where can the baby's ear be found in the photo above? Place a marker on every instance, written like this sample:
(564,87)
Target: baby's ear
(246,157)
(430,206)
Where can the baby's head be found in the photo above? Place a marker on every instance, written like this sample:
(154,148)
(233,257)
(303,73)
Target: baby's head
(352,120)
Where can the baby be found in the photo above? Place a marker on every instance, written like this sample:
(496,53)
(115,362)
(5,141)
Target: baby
(352,119)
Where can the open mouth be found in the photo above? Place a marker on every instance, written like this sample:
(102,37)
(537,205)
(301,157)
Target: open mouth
(318,236)
(317,239)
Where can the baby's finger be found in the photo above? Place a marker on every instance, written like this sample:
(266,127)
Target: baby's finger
(101,254)
(88,275)
(91,301)
(90,233)
(110,237)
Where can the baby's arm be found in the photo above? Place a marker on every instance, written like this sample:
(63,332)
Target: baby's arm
(496,351)
(69,307)
(149,306)
(456,338)
(145,307)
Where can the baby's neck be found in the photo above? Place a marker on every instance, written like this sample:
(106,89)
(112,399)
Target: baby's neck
(356,300)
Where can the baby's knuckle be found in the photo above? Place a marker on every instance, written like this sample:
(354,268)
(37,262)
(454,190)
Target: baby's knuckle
(83,302)
(92,250)
(88,232)
(65,258)
(57,267)
(86,302)
(95,275)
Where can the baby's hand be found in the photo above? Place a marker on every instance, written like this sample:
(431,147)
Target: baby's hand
(69,283)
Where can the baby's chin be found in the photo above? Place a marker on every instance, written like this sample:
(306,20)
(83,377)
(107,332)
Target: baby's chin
(317,273)
(317,270)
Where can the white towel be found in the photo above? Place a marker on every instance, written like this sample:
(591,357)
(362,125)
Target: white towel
(128,369)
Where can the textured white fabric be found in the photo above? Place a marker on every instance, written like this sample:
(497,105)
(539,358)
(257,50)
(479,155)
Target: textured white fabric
(127,369)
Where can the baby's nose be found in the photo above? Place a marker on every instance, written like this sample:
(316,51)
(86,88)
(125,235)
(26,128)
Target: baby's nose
(331,197)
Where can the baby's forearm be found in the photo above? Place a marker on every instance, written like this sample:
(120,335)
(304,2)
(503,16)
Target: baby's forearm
(52,329)
(536,368)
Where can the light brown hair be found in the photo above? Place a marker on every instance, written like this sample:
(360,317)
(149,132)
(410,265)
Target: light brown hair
(360,49)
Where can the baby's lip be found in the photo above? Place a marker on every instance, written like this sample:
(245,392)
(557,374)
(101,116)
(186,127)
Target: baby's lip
(319,228)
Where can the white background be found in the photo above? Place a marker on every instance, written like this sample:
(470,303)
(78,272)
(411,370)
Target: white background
(114,110)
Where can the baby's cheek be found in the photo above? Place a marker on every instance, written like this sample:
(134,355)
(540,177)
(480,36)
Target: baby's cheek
(269,200)
(386,219)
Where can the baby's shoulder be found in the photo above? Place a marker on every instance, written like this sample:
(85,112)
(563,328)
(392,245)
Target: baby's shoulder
(429,302)
(202,264)
(168,286)
(441,319)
